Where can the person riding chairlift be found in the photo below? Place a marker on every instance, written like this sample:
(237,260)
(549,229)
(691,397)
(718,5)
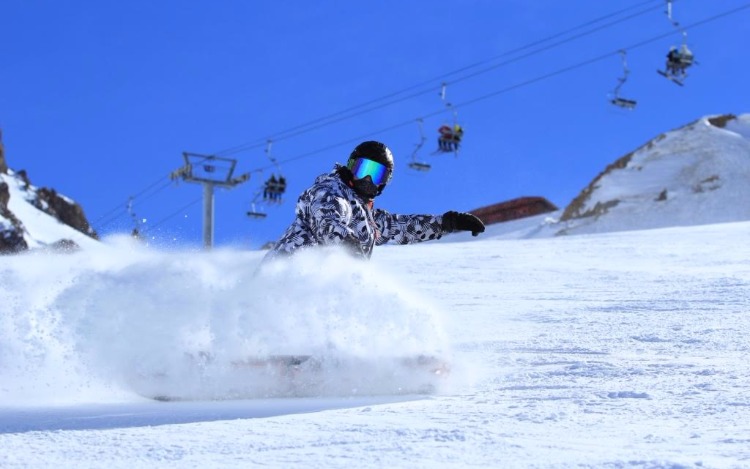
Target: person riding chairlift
(679,60)
(449,138)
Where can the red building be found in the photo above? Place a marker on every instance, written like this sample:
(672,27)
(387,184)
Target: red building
(514,209)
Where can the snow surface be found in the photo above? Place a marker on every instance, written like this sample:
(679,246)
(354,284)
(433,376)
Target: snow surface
(626,349)
(621,349)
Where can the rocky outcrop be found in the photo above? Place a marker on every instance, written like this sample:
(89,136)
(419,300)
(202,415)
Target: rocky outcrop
(721,121)
(3,164)
(576,207)
(65,210)
(11,228)
(14,237)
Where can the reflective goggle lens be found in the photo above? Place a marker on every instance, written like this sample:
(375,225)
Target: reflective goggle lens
(362,167)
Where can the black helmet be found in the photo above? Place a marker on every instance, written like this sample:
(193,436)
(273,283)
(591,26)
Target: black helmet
(377,152)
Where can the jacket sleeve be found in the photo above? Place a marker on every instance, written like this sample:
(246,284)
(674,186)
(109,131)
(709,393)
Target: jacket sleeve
(407,229)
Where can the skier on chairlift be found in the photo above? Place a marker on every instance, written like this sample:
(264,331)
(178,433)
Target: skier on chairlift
(269,188)
(450,137)
(679,60)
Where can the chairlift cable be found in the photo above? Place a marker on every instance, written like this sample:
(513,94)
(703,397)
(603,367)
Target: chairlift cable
(496,93)
(674,22)
(349,113)
(119,206)
(548,47)
(118,212)
(174,214)
(522,84)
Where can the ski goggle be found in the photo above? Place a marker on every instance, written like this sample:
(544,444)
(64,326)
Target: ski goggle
(362,167)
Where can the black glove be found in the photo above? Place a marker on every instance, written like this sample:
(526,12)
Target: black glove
(457,221)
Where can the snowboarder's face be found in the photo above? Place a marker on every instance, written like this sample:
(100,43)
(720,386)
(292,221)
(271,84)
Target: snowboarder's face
(366,189)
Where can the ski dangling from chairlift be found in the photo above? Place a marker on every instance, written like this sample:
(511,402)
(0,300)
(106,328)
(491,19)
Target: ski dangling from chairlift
(450,136)
(678,59)
(271,191)
(617,100)
(415,163)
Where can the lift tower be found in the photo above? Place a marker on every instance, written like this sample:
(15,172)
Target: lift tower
(211,171)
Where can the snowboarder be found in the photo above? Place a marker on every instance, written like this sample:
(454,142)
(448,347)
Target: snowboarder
(338,210)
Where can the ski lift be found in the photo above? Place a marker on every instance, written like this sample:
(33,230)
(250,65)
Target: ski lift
(270,192)
(258,204)
(415,163)
(257,207)
(678,59)
(450,135)
(255,213)
(137,223)
(616,99)
(274,187)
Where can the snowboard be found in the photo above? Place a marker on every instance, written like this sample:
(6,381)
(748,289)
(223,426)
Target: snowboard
(298,376)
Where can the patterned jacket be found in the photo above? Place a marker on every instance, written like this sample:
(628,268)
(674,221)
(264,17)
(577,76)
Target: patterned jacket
(331,213)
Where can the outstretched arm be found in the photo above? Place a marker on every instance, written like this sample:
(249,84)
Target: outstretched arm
(407,229)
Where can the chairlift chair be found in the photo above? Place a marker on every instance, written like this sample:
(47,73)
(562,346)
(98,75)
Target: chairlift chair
(678,60)
(256,211)
(256,214)
(415,164)
(624,103)
(418,166)
(447,142)
(275,186)
(617,100)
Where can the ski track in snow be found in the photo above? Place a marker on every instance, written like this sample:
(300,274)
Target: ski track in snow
(610,350)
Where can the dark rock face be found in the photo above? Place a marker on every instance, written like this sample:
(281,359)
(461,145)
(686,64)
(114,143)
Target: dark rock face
(11,230)
(68,212)
(65,245)
(47,200)
(721,121)
(3,164)
(11,242)
(575,208)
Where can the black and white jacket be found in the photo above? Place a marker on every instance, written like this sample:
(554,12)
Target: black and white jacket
(331,213)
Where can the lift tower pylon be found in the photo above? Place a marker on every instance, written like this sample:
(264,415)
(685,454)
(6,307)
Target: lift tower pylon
(211,171)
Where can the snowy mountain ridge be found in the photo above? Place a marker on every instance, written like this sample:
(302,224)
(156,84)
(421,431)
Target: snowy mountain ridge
(32,217)
(694,175)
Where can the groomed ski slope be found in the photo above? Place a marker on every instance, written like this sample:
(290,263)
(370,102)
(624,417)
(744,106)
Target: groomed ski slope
(625,349)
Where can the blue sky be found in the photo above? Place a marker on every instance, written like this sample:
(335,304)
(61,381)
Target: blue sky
(99,99)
